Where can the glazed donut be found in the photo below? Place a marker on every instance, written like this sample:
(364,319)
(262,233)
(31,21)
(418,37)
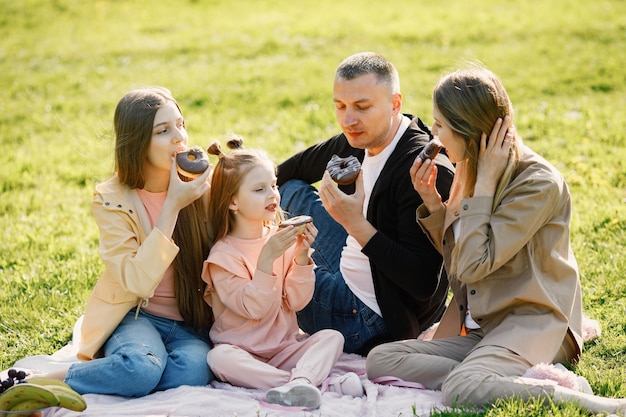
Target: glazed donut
(298,221)
(343,170)
(431,149)
(192,162)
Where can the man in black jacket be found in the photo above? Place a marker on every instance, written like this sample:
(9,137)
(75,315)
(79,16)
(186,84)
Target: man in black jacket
(378,278)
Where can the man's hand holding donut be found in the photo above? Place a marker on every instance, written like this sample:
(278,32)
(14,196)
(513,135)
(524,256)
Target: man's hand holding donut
(347,209)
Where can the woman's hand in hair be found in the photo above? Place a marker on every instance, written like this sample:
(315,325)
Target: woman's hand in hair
(493,157)
(424,178)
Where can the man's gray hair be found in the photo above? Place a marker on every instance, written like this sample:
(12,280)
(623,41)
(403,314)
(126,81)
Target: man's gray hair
(369,63)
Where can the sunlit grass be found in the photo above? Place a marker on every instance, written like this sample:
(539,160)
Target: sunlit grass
(264,69)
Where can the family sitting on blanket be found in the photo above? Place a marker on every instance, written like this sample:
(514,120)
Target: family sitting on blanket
(365,277)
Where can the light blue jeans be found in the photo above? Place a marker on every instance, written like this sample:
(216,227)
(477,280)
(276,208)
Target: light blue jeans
(334,305)
(144,355)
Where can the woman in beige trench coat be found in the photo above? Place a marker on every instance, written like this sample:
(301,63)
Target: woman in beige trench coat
(504,237)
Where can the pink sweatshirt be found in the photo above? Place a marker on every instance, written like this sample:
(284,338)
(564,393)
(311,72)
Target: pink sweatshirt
(254,310)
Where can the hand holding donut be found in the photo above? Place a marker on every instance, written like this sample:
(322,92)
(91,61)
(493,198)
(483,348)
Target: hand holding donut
(182,192)
(192,163)
(431,149)
(347,209)
(424,178)
(298,221)
(303,243)
(275,246)
(343,170)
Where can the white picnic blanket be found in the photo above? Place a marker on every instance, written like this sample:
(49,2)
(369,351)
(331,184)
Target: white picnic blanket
(220,399)
(224,400)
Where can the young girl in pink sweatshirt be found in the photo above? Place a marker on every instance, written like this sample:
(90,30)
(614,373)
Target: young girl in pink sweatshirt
(257,278)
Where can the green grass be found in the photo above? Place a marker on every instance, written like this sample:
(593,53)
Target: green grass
(264,69)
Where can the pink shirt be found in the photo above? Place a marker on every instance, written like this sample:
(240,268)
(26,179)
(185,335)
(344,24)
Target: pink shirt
(163,303)
(254,310)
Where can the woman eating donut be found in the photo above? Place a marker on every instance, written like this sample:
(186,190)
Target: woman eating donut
(504,236)
(145,326)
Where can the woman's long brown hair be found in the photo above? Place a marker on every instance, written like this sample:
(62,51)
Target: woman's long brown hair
(133,122)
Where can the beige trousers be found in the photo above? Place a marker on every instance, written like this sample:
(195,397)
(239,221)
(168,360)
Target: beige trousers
(312,358)
(464,376)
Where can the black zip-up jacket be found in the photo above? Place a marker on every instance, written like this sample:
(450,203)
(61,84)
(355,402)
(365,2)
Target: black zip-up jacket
(410,288)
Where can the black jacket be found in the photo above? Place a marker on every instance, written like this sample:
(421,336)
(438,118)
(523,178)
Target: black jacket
(410,289)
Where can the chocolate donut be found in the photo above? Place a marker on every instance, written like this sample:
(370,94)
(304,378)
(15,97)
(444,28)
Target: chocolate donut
(431,149)
(298,221)
(343,170)
(192,162)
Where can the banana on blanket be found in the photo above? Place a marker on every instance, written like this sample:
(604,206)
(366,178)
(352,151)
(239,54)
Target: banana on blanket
(68,398)
(20,393)
(26,408)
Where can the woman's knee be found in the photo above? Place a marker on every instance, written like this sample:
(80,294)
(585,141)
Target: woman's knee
(380,360)
(187,364)
(195,370)
(140,371)
(466,388)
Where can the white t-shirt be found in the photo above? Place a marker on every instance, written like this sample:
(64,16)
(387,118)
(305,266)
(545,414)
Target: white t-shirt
(354,265)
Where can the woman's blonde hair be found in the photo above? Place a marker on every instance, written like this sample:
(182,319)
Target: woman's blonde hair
(228,174)
(471,100)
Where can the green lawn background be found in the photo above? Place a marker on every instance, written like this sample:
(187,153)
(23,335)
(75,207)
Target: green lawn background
(264,69)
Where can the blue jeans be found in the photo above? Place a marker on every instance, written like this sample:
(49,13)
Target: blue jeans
(333,305)
(144,355)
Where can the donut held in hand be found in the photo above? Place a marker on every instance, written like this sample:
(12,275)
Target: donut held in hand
(191,163)
(431,149)
(343,170)
(298,221)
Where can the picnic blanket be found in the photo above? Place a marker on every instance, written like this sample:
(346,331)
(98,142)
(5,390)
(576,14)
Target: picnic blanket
(220,399)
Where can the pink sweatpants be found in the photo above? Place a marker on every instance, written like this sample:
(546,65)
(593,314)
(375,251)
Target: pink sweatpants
(312,358)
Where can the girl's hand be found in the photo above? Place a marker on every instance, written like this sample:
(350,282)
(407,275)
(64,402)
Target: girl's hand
(276,245)
(424,178)
(303,244)
(493,157)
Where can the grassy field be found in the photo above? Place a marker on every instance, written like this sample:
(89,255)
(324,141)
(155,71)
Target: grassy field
(264,70)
